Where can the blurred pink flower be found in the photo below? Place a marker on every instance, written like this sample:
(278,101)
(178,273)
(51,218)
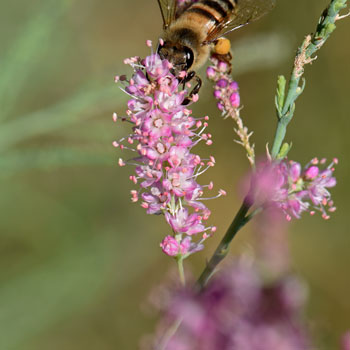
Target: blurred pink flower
(236,311)
(345,342)
(293,189)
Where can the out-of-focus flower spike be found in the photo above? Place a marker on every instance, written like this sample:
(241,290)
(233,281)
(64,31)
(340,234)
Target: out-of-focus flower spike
(293,189)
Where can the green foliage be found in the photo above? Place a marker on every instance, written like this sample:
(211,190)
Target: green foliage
(306,50)
(280,95)
(284,151)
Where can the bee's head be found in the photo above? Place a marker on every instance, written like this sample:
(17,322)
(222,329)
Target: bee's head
(180,56)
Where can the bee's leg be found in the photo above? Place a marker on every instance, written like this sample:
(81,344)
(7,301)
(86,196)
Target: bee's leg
(195,90)
(197,87)
(188,78)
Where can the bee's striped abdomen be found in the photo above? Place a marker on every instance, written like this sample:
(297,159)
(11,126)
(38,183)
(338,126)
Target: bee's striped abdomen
(215,11)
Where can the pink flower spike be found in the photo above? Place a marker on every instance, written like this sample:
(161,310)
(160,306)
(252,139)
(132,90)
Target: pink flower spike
(164,134)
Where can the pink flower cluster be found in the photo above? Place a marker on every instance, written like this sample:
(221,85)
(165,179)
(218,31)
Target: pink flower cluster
(236,311)
(226,93)
(293,189)
(226,89)
(166,170)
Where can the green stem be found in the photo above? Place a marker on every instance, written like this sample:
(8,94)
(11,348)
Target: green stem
(279,137)
(170,333)
(176,324)
(180,267)
(221,251)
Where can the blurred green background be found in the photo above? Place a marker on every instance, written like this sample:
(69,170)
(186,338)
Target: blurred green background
(77,259)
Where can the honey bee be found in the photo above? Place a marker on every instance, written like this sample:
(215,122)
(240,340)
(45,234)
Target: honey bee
(193,31)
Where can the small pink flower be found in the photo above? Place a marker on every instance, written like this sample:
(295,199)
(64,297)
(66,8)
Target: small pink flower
(170,246)
(157,124)
(211,72)
(179,181)
(312,172)
(185,245)
(235,99)
(183,222)
(155,67)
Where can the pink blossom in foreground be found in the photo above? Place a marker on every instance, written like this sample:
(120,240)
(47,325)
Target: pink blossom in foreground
(345,342)
(162,138)
(236,311)
(293,189)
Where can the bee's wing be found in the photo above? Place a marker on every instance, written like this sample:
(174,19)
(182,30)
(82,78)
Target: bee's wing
(168,11)
(245,12)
